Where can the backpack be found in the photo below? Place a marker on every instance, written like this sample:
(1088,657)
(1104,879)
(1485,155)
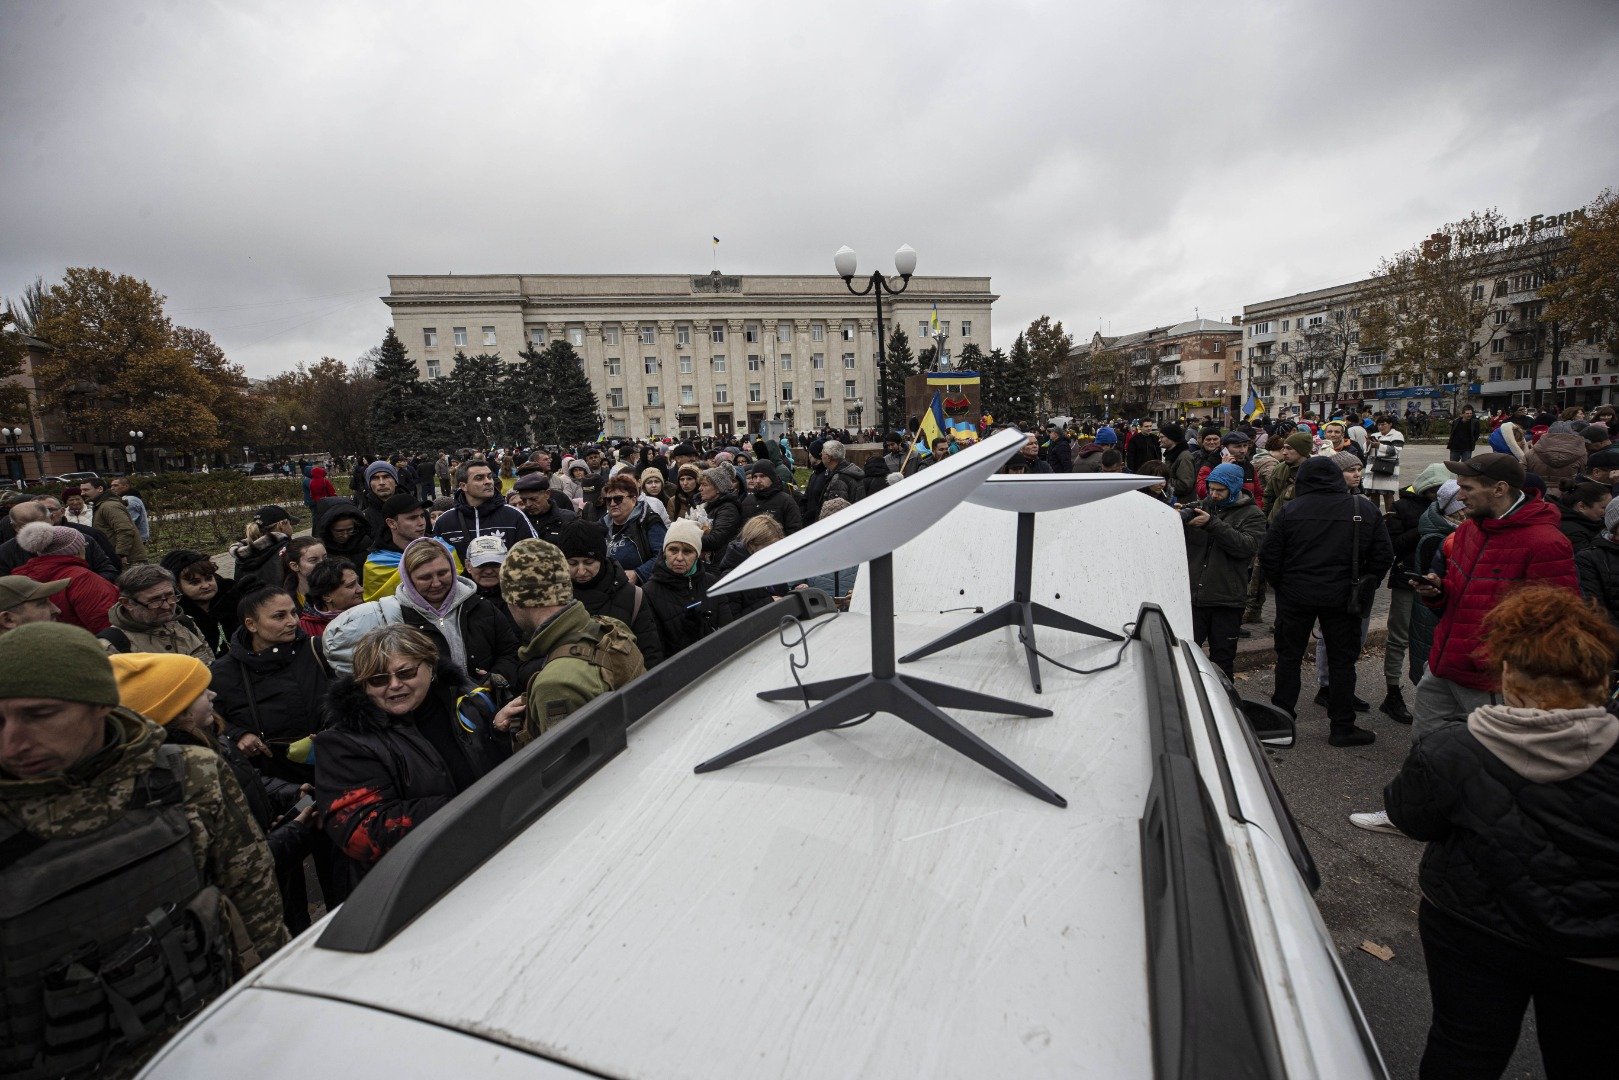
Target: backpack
(609,645)
(109,938)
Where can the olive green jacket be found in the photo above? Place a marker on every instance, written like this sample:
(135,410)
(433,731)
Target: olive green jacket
(563,685)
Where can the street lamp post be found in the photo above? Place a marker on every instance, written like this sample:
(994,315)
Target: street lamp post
(12,434)
(134,449)
(1458,381)
(845,261)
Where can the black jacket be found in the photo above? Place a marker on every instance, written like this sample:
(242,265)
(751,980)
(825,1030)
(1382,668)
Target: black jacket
(1060,454)
(777,504)
(681,607)
(725,521)
(378,777)
(98,553)
(276,694)
(848,481)
(1598,567)
(1142,448)
(1463,434)
(490,636)
(259,563)
(738,604)
(876,471)
(548,526)
(1306,553)
(1581,531)
(1401,522)
(815,492)
(1220,553)
(460,524)
(217,621)
(329,512)
(610,593)
(1536,863)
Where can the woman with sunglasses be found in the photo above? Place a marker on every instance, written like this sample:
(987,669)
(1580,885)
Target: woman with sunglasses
(397,748)
(634,532)
(209,599)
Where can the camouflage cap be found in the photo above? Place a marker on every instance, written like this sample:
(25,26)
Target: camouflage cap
(535,574)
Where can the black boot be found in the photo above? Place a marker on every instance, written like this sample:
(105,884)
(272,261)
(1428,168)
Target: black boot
(1394,706)
(1361,705)
(1350,735)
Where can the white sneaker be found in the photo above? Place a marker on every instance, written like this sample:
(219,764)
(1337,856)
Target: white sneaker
(1375,822)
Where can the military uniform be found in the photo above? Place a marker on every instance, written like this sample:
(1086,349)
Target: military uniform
(564,684)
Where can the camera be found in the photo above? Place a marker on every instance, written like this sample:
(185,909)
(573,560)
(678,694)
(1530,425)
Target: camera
(1189,512)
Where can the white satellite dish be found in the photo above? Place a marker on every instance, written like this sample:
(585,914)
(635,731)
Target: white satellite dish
(878,523)
(869,531)
(1026,496)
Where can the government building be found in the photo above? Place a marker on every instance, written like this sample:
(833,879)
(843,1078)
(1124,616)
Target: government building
(689,355)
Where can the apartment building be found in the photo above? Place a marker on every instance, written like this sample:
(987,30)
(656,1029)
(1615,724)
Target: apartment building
(686,354)
(1287,375)
(1167,372)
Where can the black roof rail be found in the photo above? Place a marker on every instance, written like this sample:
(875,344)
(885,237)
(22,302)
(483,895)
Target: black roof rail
(436,855)
(1210,1015)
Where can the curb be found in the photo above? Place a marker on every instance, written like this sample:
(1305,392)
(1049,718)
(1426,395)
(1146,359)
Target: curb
(1260,652)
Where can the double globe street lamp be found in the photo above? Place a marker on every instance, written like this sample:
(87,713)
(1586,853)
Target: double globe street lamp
(133,448)
(846,263)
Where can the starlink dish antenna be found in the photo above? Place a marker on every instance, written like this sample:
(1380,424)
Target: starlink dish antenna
(869,531)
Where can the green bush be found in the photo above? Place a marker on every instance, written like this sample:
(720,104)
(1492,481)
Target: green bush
(208,512)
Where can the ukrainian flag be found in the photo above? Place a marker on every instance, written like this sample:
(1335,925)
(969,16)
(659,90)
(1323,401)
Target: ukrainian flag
(933,426)
(1253,407)
(933,323)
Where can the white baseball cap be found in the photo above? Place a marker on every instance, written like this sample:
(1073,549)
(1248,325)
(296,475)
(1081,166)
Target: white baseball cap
(486,549)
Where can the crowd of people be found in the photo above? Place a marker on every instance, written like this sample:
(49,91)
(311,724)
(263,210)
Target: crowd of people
(333,690)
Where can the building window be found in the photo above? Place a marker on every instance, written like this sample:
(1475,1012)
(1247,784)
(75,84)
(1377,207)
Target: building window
(685,365)
(1217,367)
(654,396)
(786,391)
(754,392)
(718,360)
(755,362)
(820,418)
(649,364)
(536,335)
(966,328)
(848,390)
(460,335)
(576,336)
(818,361)
(848,360)
(1284,348)
(1497,373)
(615,367)
(922,329)
(615,397)
(489,335)
(430,336)
(433,371)
(609,335)
(716,334)
(1478,292)
(784,333)
(1520,371)
(820,390)
(944,326)
(1498,345)
(616,426)
(786,361)
(848,330)
(688,394)
(1354,337)
(1503,316)
(722,393)
(750,334)
(1315,320)
(1282,390)
(1284,326)
(817,331)
(649,335)
(1589,365)
(1561,366)
(682,336)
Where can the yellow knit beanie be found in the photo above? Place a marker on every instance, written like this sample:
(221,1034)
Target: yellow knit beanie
(159,686)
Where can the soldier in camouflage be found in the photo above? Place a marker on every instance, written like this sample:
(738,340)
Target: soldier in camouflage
(75,770)
(584,657)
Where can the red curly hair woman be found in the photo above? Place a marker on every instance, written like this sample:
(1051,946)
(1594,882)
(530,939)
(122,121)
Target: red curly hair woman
(1520,882)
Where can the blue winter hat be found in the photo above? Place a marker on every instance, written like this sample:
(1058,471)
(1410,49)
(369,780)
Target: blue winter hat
(1229,477)
(380,467)
(1107,437)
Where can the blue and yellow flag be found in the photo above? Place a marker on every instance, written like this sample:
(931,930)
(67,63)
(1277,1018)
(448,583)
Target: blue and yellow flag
(933,426)
(1253,407)
(933,322)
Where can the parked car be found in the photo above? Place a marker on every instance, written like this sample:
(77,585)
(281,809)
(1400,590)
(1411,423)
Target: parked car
(862,902)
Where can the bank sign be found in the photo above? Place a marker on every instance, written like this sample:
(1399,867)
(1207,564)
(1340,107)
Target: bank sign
(1439,243)
(1442,390)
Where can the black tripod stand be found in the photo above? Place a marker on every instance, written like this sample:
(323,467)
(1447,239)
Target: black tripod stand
(1018,611)
(915,701)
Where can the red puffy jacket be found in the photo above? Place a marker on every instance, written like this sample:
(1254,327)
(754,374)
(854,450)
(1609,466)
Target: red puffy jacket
(84,602)
(1486,559)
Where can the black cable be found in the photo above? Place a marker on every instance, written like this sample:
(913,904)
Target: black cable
(979,610)
(1117,657)
(794,667)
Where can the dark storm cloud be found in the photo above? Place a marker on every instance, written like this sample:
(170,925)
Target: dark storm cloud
(268,165)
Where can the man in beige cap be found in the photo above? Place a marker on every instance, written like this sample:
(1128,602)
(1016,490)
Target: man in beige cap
(585,656)
(24,600)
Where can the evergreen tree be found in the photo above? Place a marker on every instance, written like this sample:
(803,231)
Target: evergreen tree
(578,409)
(1022,386)
(526,389)
(901,366)
(551,395)
(396,411)
(475,389)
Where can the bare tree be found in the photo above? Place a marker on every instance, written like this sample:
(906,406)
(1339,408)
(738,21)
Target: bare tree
(1331,344)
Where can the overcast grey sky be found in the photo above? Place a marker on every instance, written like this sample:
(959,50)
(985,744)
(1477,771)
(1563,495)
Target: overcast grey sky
(267,165)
